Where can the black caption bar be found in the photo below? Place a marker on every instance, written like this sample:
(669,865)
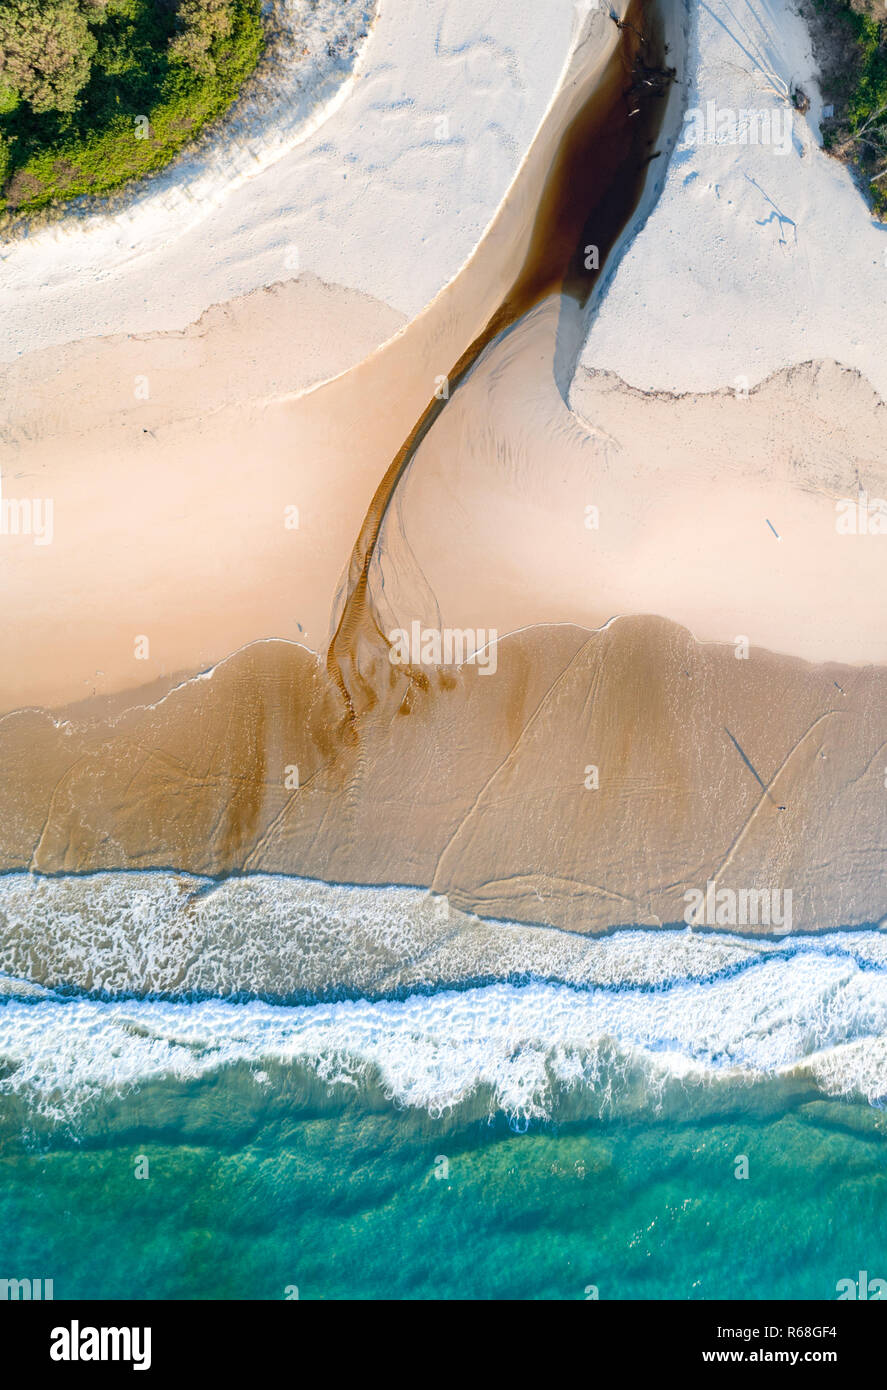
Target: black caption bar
(89,1339)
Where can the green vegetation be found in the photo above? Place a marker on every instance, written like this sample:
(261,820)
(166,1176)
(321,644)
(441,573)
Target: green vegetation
(855,78)
(94,93)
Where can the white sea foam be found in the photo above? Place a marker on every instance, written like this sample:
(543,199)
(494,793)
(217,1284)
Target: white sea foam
(174,934)
(645,1012)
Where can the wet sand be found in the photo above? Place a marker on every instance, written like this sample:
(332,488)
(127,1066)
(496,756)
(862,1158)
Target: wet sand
(590,783)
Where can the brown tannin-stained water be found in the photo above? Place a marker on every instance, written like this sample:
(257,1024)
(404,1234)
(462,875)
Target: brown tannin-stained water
(592,189)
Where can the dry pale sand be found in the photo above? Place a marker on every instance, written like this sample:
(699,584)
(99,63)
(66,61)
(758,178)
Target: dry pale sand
(376,163)
(169,509)
(272,342)
(170,514)
(756,255)
(169,518)
(718,511)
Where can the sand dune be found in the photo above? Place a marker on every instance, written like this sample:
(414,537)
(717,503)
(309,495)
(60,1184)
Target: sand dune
(340,167)
(754,258)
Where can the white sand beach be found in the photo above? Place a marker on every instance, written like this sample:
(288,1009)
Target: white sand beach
(753,259)
(171,496)
(378,170)
(177,462)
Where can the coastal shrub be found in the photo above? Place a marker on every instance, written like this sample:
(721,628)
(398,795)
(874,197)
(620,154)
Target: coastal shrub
(867,106)
(121,87)
(46,52)
(855,69)
(201,23)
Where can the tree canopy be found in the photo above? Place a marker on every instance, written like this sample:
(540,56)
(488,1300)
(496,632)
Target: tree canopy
(47,47)
(200,22)
(94,93)
(46,51)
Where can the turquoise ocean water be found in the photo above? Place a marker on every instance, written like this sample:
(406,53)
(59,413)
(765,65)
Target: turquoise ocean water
(670,1119)
(342,1200)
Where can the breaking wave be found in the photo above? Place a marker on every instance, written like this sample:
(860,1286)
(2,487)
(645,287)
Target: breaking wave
(116,980)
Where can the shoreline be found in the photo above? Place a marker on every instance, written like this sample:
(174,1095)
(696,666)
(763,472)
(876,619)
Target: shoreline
(705,952)
(730,759)
(518,1048)
(748,773)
